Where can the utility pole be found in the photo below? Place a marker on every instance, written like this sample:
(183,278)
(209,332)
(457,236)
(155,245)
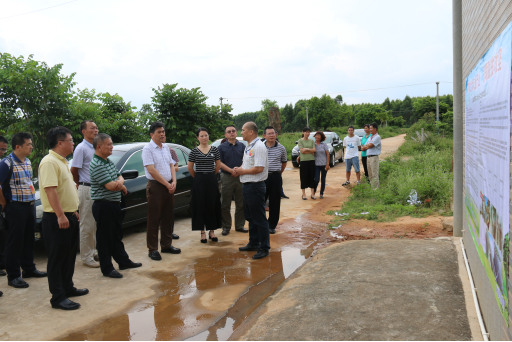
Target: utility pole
(458,146)
(437,108)
(307,117)
(221,103)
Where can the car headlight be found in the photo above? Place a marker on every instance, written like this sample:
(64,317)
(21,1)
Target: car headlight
(39,211)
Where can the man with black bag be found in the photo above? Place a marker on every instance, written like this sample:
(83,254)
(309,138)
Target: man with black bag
(18,198)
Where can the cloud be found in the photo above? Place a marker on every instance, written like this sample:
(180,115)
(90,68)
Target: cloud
(240,49)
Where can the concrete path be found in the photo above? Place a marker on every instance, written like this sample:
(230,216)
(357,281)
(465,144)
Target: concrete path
(368,290)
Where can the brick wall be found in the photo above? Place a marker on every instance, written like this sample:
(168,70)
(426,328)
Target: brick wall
(482,22)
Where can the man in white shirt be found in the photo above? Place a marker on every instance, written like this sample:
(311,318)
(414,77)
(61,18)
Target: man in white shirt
(161,175)
(352,143)
(253,173)
(82,157)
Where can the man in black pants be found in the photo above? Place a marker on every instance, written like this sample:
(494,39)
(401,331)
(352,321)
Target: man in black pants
(106,187)
(60,219)
(277,159)
(18,198)
(3,149)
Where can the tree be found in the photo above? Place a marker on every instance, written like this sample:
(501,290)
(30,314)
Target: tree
(406,109)
(426,105)
(34,97)
(184,110)
(287,118)
(368,114)
(339,99)
(240,119)
(383,116)
(262,119)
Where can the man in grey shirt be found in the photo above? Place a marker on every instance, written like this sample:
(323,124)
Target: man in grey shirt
(373,147)
(82,157)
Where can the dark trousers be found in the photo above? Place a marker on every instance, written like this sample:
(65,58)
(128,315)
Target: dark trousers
(61,246)
(160,214)
(273,186)
(19,246)
(320,171)
(109,235)
(307,174)
(3,235)
(254,210)
(365,168)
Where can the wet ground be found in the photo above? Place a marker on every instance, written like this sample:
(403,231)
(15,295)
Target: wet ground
(204,293)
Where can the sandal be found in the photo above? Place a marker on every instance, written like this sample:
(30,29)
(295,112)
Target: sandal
(203,240)
(304,198)
(321,196)
(313,197)
(346,183)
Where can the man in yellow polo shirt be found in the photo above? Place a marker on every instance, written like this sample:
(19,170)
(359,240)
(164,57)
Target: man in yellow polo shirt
(60,218)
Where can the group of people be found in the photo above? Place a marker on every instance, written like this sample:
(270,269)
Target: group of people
(315,159)
(83,202)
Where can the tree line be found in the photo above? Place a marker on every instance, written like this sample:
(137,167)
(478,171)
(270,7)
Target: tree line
(35,97)
(326,111)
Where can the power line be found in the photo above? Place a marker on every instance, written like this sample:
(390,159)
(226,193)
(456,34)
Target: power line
(39,10)
(339,92)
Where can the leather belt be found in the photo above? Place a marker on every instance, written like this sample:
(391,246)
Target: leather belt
(375,155)
(84,183)
(29,202)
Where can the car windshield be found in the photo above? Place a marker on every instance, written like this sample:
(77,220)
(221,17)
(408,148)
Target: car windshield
(328,139)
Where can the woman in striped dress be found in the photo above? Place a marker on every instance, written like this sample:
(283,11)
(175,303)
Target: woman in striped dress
(206,212)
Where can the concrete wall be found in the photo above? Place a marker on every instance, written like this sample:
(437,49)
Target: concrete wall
(482,22)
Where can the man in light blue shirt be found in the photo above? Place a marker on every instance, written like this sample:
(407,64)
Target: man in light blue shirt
(373,148)
(82,157)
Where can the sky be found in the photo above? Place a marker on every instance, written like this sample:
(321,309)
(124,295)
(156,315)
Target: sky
(242,51)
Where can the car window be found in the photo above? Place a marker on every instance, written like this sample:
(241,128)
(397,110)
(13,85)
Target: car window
(182,160)
(328,139)
(135,163)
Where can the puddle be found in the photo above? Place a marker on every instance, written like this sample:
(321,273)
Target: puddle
(216,293)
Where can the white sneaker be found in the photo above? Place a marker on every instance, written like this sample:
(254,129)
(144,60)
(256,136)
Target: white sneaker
(92,264)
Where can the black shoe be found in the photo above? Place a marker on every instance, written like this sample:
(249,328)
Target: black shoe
(77,293)
(249,248)
(18,283)
(225,232)
(272,231)
(243,230)
(175,237)
(261,254)
(155,255)
(2,273)
(214,239)
(130,265)
(66,304)
(172,250)
(113,274)
(1,293)
(203,240)
(34,274)
(284,196)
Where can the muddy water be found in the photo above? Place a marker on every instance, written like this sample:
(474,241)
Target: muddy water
(193,303)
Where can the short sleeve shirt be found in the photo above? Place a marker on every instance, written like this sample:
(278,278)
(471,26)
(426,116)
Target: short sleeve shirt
(351,146)
(205,163)
(320,156)
(306,144)
(103,172)
(54,172)
(363,142)
(20,187)
(276,157)
(255,154)
(82,157)
(375,150)
(232,155)
(160,157)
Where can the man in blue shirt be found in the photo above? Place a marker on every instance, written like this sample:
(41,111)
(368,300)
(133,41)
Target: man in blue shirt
(18,198)
(231,156)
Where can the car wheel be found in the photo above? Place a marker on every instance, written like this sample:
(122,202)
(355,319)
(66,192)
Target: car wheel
(331,160)
(341,159)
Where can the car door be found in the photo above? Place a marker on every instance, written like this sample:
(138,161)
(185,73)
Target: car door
(135,201)
(336,146)
(183,193)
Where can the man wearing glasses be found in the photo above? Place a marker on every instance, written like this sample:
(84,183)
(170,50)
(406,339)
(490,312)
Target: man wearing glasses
(59,198)
(231,156)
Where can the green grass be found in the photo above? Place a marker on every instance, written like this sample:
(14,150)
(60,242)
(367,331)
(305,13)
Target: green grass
(428,170)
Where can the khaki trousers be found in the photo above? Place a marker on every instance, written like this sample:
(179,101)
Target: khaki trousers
(231,185)
(87,225)
(373,170)
(160,214)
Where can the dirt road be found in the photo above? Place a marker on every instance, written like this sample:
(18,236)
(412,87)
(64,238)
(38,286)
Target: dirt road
(204,293)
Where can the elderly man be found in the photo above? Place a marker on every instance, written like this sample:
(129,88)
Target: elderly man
(161,175)
(107,184)
(373,147)
(82,158)
(60,219)
(277,159)
(253,173)
(231,156)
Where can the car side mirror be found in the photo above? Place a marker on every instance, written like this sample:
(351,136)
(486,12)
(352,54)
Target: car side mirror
(130,174)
